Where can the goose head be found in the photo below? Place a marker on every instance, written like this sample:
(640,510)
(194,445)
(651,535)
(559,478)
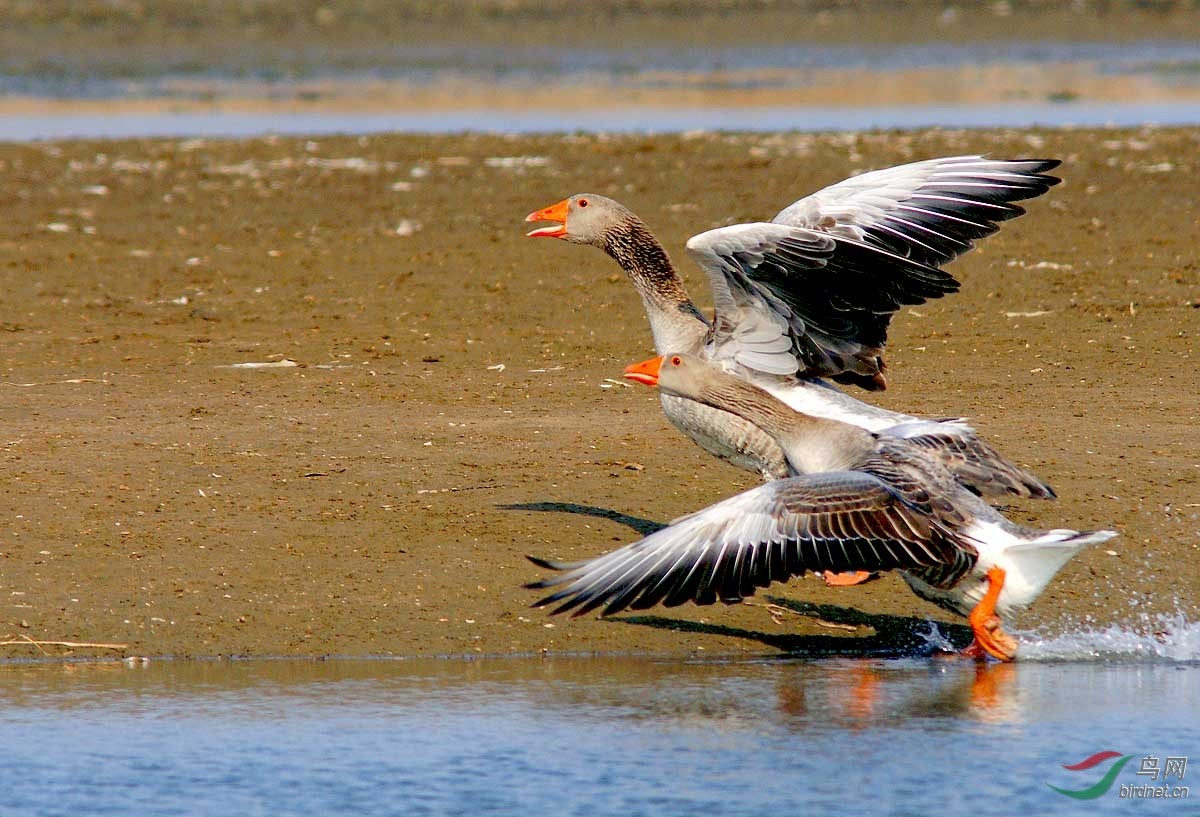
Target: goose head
(584,218)
(679,374)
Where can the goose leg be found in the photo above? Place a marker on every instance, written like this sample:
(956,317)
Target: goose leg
(848,579)
(990,638)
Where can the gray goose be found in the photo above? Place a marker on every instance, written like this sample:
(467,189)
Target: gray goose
(860,501)
(809,296)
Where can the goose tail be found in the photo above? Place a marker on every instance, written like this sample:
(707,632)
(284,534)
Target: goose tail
(1032,564)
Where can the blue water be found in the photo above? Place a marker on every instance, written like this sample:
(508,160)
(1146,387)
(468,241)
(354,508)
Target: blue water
(636,64)
(224,124)
(593,736)
(1165,63)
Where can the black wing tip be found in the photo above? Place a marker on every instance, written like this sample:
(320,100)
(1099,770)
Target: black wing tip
(542,584)
(553,598)
(1018,486)
(1041,165)
(1045,182)
(1036,177)
(549,581)
(869,382)
(558,567)
(545,563)
(1045,164)
(940,279)
(1035,489)
(1016,210)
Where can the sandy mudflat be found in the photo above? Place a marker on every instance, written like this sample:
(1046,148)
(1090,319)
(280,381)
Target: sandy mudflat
(449,369)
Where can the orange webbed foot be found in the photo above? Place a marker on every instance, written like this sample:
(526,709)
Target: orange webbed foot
(847,579)
(990,637)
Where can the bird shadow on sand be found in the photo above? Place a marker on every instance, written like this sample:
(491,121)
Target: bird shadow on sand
(643,527)
(892,636)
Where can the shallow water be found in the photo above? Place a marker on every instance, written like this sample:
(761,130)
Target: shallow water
(1153,81)
(229,124)
(163,75)
(599,736)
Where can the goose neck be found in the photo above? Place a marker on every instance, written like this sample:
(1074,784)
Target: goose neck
(676,323)
(811,444)
(643,258)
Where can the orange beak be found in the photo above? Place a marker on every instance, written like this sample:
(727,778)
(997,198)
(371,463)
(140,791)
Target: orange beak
(644,372)
(555,212)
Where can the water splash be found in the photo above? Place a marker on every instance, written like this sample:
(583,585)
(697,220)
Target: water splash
(934,641)
(1169,638)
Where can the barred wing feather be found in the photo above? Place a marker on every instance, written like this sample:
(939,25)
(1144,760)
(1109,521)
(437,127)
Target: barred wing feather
(838,521)
(930,211)
(797,301)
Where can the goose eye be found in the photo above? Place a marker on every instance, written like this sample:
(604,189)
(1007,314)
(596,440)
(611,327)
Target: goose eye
(675,361)
(583,202)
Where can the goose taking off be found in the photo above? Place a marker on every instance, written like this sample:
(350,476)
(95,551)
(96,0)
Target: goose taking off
(810,294)
(862,502)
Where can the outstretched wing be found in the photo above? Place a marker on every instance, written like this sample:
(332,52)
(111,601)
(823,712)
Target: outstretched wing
(974,463)
(798,301)
(928,211)
(831,521)
(885,232)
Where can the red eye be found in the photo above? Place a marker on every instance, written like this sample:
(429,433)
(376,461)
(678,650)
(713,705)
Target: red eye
(583,202)
(675,361)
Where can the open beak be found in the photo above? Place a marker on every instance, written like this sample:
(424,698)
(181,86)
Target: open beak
(555,212)
(644,372)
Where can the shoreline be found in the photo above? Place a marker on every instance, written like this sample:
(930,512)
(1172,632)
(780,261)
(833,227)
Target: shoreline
(1087,82)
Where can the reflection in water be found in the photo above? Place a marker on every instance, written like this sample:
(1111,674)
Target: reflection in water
(592,736)
(867,697)
(843,694)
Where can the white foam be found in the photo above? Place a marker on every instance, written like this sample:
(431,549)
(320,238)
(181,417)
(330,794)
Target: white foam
(1165,637)
(935,641)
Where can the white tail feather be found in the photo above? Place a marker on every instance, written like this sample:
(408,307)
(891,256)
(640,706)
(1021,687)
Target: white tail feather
(1031,565)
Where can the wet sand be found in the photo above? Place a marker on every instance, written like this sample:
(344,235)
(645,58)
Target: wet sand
(451,408)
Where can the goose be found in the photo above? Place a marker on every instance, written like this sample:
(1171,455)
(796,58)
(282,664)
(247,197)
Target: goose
(809,296)
(861,501)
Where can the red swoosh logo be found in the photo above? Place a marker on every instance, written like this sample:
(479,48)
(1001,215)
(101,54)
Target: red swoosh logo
(1099,757)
